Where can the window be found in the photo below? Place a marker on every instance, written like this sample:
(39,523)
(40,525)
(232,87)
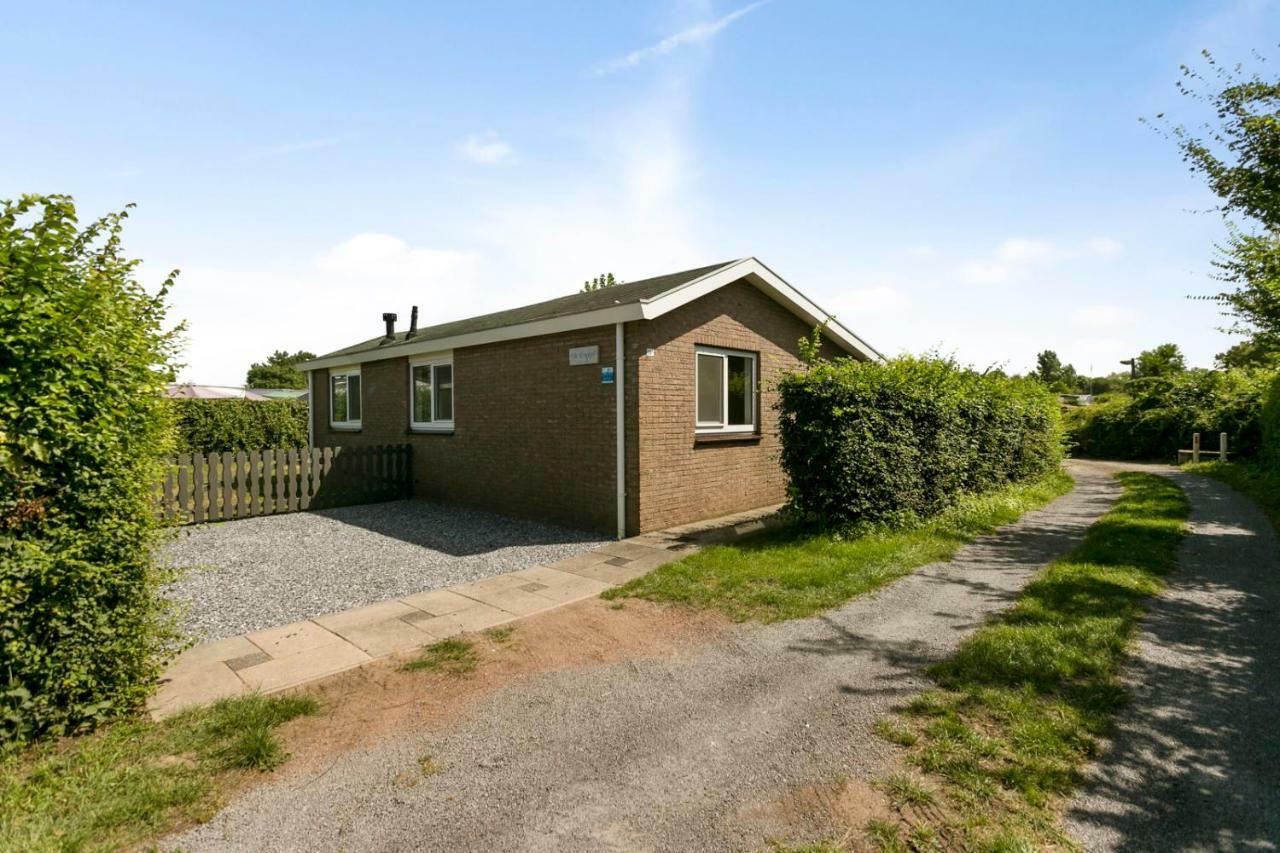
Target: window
(344,398)
(726,390)
(431,395)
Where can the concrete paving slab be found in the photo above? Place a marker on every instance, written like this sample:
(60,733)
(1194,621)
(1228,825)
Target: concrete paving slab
(218,650)
(513,600)
(378,639)
(303,666)
(630,550)
(439,602)
(475,618)
(196,685)
(340,623)
(293,639)
(574,590)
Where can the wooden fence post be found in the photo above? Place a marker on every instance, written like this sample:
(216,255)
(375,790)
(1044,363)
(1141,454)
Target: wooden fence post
(1195,447)
(1222,447)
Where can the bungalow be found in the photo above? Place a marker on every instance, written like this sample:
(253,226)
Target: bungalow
(530,412)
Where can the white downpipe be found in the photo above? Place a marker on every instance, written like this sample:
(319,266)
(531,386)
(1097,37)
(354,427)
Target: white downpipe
(620,414)
(311,409)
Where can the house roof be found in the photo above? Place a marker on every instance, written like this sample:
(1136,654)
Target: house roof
(636,300)
(191,391)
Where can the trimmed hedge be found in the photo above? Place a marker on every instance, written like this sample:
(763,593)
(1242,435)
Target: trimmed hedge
(217,426)
(865,442)
(1156,416)
(1269,423)
(84,630)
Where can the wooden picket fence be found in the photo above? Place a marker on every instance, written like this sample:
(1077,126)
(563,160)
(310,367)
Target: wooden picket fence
(222,486)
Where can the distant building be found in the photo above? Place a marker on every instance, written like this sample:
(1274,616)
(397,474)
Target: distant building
(192,391)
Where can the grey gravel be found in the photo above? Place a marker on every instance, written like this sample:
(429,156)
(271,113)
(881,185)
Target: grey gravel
(255,573)
(1195,759)
(662,754)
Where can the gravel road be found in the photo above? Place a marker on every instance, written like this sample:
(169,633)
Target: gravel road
(256,573)
(1195,761)
(662,755)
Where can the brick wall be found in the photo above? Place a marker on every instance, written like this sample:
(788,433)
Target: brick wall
(682,480)
(534,437)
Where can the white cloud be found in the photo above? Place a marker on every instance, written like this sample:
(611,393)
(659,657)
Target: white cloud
(923,250)
(1014,259)
(486,148)
(388,258)
(697,34)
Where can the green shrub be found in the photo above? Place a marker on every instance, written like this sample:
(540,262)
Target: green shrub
(891,442)
(83,422)
(217,426)
(1157,416)
(1269,423)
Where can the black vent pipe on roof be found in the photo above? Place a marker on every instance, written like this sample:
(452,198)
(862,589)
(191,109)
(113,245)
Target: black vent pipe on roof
(390,319)
(413,323)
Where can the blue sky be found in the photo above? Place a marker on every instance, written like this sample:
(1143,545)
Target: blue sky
(971,178)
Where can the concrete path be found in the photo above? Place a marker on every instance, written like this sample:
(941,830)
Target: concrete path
(291,655)
(1195,762)
(684,754)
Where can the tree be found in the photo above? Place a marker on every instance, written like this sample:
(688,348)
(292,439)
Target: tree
(1048,367)
(1164,360)
(84,629)
(1255,352)
(1239,157)
(280,370)
(1051,371)
(600,282)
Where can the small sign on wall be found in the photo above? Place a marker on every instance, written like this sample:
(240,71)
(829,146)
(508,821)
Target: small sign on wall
(606,375)
(584,355)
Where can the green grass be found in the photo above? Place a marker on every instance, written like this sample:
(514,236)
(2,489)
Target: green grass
(135,780)
(1259,481)
(452,657)
(1021,704)
(789,573)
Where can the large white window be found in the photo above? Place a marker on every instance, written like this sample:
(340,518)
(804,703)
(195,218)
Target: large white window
(431,395)
(344,398)
(726,390)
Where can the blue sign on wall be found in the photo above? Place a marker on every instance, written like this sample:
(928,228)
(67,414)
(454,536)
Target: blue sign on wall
(606,375)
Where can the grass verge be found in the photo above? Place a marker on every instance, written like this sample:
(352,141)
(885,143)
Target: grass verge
(452,657)
(1022,702)
(138,779)
(1260,482)
(789,573)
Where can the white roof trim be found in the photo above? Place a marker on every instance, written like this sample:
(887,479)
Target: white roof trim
(749,268)
(771,284)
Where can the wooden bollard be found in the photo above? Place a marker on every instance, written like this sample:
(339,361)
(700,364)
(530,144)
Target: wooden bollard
(1222,447)
(1195,447)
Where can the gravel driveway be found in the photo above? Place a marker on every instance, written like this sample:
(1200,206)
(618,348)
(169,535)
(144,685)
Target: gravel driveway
(1195,761)
(662,754)
(255,573)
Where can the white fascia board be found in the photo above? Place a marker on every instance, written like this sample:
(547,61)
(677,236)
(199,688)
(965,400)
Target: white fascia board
(599,317)
(774,286)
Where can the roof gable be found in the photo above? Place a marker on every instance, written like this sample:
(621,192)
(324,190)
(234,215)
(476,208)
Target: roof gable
(638,300)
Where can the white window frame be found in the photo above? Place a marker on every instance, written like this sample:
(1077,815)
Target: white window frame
(435,424)
(349,423)
(723,426)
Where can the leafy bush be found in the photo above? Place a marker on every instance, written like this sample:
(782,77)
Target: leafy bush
(1269,423)
(83,422)
(1156,416)
(892,442)
(216,426)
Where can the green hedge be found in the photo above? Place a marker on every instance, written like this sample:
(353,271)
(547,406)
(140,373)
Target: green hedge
(892,442)
(216,426)
(1156,416)
(84,631)
(1269,423)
